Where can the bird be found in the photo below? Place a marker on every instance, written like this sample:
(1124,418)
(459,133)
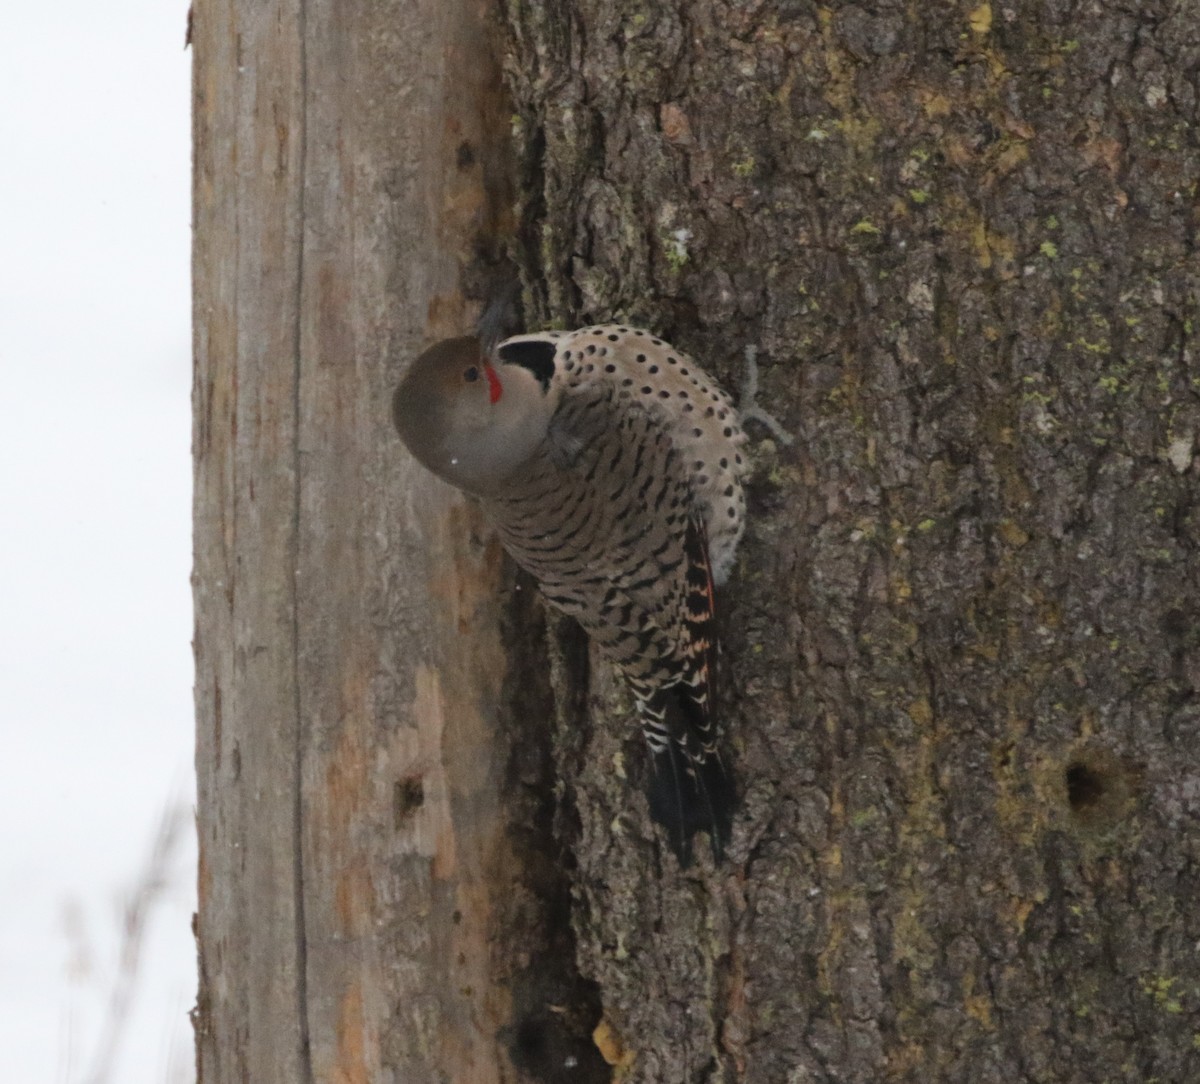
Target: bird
(611,466)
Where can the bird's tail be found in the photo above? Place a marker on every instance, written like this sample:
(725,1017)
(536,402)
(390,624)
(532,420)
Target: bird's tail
(690,788)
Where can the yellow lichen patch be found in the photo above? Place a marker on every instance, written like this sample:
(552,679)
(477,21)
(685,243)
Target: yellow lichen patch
(860,132)
(912,942)
(1021,805)
(1162,989)
(978,1006)
(1019,912)
(858,128)
(920,712)
(980,19)
(988,650)
(612,1049)
(934,104)
(1011,156)
(909,1059)
(989,246)
(1012,534)
(979,239)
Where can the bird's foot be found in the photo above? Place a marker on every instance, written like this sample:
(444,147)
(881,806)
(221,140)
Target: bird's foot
(748,406)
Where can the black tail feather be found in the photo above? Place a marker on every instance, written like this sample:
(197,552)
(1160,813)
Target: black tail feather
(690,789)
(688,795)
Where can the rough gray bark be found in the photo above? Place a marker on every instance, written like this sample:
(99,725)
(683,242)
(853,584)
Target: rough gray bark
(962,648)
(962,654)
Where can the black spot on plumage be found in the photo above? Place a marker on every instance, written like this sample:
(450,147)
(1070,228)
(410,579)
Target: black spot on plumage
(662,547)
(591,349)
(610,368)
(645,637)
(653,369)
(613,338)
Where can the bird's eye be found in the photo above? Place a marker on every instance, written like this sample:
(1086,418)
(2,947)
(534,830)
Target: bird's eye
(471,375)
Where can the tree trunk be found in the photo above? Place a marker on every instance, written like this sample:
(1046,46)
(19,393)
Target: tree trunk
(961,650)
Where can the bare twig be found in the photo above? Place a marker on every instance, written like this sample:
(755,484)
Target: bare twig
(150,884)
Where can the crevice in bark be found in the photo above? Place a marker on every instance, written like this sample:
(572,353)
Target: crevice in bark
(299,740)
(554,1007)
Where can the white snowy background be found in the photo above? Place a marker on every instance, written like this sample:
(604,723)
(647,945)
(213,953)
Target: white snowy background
(95,607)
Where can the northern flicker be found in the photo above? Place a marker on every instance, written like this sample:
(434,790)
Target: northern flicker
(611,465)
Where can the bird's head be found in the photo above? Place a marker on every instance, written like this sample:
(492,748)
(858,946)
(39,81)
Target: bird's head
(472,419)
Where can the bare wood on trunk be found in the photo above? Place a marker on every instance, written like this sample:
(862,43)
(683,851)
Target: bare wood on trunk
(362,914)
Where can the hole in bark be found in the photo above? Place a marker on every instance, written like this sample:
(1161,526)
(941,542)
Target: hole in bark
(545,1048)
(408,795)
(1085,788)
(465,155)
(531,1041)
(1100,786)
